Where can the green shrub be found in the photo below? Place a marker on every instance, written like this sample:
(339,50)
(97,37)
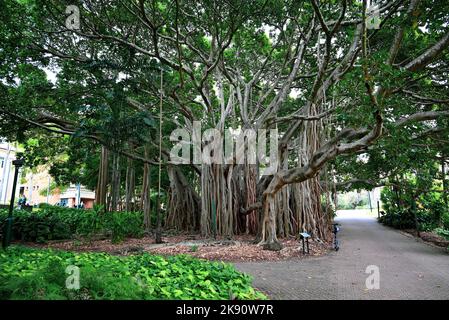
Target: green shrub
(91,223)
(445,220)
(399,219)
(58,223)
(124,224)
(40,274)
(429,207)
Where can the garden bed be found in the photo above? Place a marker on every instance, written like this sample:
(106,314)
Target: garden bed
(430,237)
(241,248)
(122,233)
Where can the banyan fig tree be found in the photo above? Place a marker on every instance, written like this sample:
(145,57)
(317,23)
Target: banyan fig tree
(332,78)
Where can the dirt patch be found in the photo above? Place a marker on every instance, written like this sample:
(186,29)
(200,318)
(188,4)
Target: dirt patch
(435,239)
(243,251)
(239,249)
(430,237)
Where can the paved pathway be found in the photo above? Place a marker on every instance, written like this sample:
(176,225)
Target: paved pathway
(409,269)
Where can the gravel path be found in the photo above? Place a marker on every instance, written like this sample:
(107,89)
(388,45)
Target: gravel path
(408,268)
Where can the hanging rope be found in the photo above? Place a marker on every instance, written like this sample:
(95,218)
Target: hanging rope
(158,223)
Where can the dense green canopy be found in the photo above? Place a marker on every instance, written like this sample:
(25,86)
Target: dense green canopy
(355,105)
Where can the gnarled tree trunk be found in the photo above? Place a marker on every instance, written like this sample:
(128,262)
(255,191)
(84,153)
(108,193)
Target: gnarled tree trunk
(130,186)
(184,205)
(145,199)
(115,183)
(103,174)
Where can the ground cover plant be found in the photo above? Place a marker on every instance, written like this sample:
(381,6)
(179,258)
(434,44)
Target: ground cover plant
(41,274)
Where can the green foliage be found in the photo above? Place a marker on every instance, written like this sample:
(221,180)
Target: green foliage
(194,248)
(445,220)
(442,232)
(53,187)
(41,225)
(56,223)
(124,224)
(353,200)
(399,219)
(40,274)
(399,207)
(110,96)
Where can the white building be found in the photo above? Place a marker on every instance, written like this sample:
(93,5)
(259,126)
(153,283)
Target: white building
(36,185)
(76,195)
(7,156)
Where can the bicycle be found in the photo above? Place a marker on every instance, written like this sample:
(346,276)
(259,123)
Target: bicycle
(335,230)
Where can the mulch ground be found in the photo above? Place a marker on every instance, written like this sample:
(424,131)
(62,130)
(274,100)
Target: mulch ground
(430,237)
(239,249)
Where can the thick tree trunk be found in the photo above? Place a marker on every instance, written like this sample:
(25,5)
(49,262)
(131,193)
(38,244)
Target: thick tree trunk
(295,208)
(222,193)
(251,176)
(269,239)
(283,203)
(215,206)
(102,182)
(145,199)
(130,186)
(183,203)
(445,186)
(115,182)
(225,189)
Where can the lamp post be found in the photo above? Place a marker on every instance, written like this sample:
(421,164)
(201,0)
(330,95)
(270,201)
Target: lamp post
(7,232)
